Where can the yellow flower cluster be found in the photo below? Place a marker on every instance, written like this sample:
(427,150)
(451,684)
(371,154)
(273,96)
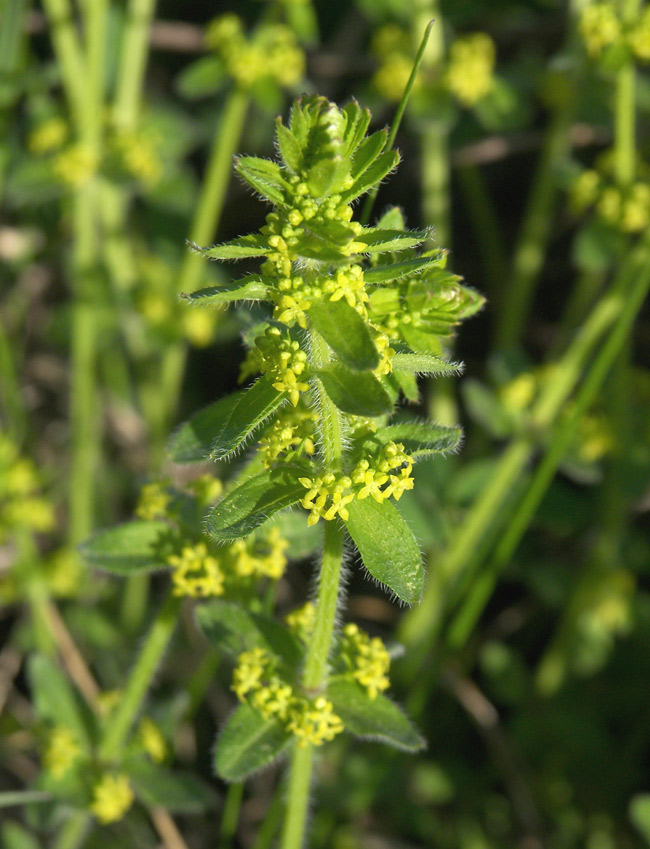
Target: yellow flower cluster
(206,488)
(328,495)
(196,573)
(255,681)
(601,26)
(112,798)
(20,504)
(75,165)
(48,136)
(292,298)
(518,393)
(272,52)
(348,283)
(61,752)
(153,502)
(470,71)
(386,354)
(291,434)
(301,621)
(139,156)
(259,559)
(283,359)
(366,659)
(625,208)
(199,326)
(152,740)
(392,45)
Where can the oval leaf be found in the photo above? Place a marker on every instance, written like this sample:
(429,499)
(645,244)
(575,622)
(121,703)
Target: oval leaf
(385,273)
(264,176)
(387,547)
(178,792)
(137,546)
(254,501)
(233,629)
(246,412)
(253,245)
(373,719)
(421,439)
(346,333)
(425,364)
(248,743)
(358,393)
(55,700)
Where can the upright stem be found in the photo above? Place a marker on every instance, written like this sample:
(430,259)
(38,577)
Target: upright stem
(205,223)
(133,62)
(316,664)
(140,680)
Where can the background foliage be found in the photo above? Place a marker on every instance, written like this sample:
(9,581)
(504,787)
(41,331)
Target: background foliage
(524,145)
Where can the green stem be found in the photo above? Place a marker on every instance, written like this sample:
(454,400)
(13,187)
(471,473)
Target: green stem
(559,440)
(315,673)
(295,818)
(140,680)
(73,831)
(11,402)
(206,221)
(535,232)
(267,831)
(69,54)
(133,62)
(422,624)
(230,816)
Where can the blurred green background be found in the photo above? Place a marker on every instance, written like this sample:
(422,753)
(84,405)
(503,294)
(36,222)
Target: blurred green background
(525,147)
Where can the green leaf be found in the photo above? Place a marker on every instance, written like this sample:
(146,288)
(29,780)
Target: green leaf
(253,245)
(248,743)
(425,364)
(421,439)
(192,442)
(264,176)
(358,393)
(346,333)
(55,700)
(408,383)
(247,289)
(357,121)
(178,792)
(253,502)
(380,241)
(233,629)
(373,719)
(13,835)
(380,168)
(392,219)
(202,78)
(387,273)
(420,341)
(326,175)
(387,547)
(639,813)
(245,413)
(367,152)
(126,549)
(288,146)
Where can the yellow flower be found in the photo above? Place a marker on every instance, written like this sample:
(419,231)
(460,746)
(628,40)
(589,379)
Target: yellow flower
(61,752)
(314,722)
(48,136)
(471,66)
(152,740)
(639,37)
(600,27)
(196,572)
(367,659)
(112,798)
(251,667)
(153,502)
(75,165)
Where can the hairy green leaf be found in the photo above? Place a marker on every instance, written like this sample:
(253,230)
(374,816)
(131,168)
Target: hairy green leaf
(421,439)
(425,364)
(288,146)
(248,288)
(233,629)
(387,273)
(373,719)
(346,333)
(249,505)
(380,168)
(358,393)
(357,121)
(126,549)
(192,442)
(246,412)
(202,78)
(178,792)
(381,241)
(248,743)
(420,341)
(264,176)
(367,153)
(253,245)
(387,547)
